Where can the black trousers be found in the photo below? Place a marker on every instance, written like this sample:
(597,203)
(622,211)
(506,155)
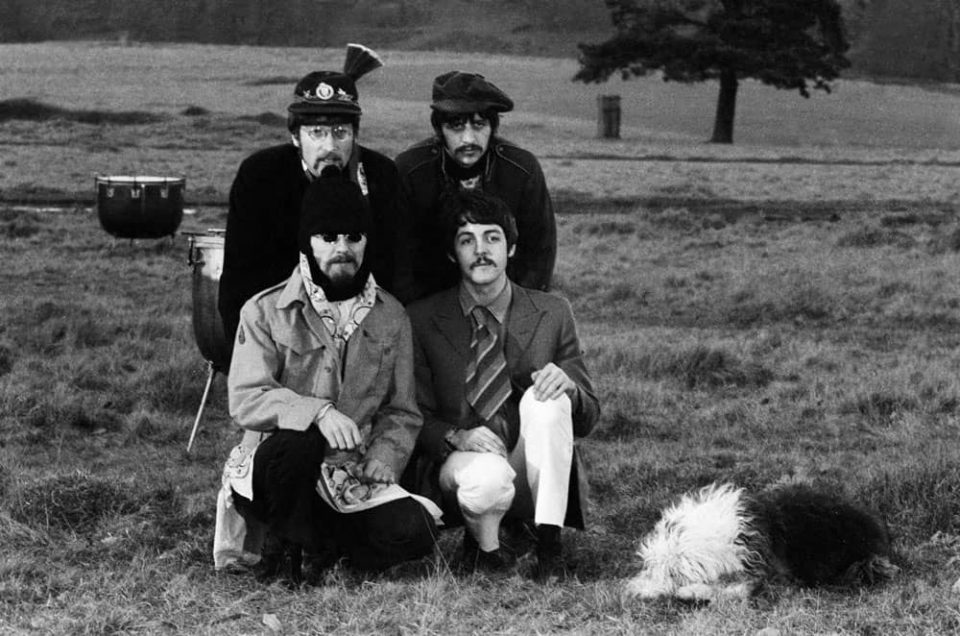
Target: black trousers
(285,472)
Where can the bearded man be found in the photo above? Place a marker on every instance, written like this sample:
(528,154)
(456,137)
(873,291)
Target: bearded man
(322,383)
(260,246)
(466,153)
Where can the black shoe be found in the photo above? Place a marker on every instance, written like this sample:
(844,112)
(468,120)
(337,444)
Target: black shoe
(280,560)
(474,559)
(316,565)
(550,561)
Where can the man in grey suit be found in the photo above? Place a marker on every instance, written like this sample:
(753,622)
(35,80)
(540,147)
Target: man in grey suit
(503,389)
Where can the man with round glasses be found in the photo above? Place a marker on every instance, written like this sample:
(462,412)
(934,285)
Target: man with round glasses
(260,246)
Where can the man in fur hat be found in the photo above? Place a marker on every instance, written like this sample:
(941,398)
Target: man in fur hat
(467,153)
(322,383)
(260,246)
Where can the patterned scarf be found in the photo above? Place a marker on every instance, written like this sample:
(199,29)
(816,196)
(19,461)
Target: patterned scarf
(341,318)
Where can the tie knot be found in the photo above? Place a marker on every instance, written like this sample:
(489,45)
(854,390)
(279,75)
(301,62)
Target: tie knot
(480,315)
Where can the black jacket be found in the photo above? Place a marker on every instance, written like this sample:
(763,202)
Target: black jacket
(511,173)
(260,247)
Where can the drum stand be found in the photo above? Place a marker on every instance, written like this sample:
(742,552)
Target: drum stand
(203,402)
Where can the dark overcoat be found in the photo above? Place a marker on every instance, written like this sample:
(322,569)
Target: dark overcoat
(260,247)
(512,174)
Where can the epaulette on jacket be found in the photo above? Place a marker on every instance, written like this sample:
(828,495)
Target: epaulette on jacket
(269,290)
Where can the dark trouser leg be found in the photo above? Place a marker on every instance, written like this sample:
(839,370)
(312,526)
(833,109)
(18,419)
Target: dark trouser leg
(380,537)
(285,471)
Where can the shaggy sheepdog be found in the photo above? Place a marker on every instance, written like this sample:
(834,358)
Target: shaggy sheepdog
(722,542)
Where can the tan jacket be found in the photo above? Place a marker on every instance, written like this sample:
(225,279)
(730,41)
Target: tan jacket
(285,369)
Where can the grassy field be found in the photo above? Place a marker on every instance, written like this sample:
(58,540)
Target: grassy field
(785,309)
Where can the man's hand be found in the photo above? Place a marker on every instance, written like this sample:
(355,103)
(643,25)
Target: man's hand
(339,430)
(478,440)
(374,470)
(551,382)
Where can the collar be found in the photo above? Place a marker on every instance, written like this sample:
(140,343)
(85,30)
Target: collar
(468,177)
(498,306)
(295,290)
(354,169)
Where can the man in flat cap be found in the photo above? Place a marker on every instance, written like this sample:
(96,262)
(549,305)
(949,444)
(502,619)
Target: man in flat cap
(322,384)
(260,246)
(466,153)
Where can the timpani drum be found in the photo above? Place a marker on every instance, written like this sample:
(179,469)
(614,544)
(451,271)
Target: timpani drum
(206,258)
(140,207)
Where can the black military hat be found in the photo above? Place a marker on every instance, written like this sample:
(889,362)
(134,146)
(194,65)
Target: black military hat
(326,93)
(459,92)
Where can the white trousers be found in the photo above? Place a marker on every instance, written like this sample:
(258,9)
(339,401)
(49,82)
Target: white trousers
(532,482)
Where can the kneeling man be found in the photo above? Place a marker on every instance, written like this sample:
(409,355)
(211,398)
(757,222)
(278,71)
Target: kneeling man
(322,382)
(503,389)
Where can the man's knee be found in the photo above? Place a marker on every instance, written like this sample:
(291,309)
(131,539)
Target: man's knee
(548,417)
(485,484)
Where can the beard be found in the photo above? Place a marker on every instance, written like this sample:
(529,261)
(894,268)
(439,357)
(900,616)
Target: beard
(342,285)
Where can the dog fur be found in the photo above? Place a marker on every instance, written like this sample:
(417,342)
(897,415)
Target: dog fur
(721,542)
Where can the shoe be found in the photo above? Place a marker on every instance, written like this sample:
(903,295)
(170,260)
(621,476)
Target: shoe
(550,561)
(316,565)
(474,559)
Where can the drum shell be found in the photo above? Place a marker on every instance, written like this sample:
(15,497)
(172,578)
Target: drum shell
(140,207)
(206,258)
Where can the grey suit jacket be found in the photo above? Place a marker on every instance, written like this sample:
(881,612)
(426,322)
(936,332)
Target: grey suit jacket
(540,329)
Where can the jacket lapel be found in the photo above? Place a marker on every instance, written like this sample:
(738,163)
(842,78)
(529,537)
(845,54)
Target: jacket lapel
(522,322)
(294,298)
(449,321)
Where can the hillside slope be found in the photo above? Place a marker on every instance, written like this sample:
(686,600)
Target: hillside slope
(891,38)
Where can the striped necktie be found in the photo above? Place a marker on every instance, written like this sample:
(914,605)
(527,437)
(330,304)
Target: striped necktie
(488,384)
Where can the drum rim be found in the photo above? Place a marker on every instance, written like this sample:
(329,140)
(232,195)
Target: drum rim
(205,239)
(135,180)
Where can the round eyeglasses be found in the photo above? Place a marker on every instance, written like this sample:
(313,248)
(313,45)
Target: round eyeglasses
(352,237)
(339,132)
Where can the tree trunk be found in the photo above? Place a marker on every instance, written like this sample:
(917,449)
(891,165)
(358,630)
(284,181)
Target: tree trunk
(726,108)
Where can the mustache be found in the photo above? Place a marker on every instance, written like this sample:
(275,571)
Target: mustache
(346,258)
(330,157)
(468,148)
(482,261)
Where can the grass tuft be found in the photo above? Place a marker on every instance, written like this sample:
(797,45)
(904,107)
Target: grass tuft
(7,358)
(919,500)
(194,111)
(175,388)
(605,228)
(21,109)
(712,367)
(696,366)
(793,299)
(876,237)
(267,119)
(16,224)
(881,408)
(72,503)
(946,242)
(273,80)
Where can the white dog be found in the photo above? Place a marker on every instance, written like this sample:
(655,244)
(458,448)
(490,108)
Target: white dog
(721,542)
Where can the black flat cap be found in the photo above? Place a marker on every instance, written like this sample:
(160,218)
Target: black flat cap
(459,92)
